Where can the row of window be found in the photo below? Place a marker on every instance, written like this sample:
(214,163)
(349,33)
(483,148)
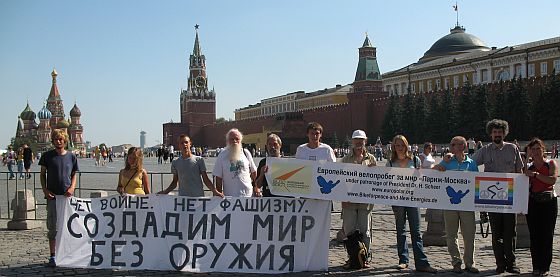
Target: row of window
(500,75)
(284,107)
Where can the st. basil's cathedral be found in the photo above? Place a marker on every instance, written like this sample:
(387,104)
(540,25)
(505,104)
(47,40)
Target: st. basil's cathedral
(51,116)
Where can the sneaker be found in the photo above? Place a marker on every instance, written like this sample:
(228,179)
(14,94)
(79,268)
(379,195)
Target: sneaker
(536,272)
(402,266)
(545,273)
(500,269)
(472,269)
(427,269)
(457,269)
(52,262)
(513,269)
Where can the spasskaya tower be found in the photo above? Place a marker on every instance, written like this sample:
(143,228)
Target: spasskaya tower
(197,102)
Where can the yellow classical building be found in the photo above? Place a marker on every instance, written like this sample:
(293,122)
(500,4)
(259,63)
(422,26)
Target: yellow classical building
(459,57)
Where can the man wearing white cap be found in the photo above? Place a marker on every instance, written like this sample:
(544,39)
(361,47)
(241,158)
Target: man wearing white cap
(356,215)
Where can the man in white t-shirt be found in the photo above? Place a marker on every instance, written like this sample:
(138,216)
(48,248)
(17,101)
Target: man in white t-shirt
(235,170)
(314,149)
(471,144)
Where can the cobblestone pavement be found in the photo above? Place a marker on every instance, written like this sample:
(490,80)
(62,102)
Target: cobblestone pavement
(24,253)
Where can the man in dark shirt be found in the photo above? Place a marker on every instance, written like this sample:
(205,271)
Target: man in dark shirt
(27,159)
(58,177)
(273,146)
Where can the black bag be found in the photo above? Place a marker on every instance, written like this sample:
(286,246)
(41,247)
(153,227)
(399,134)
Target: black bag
(542,197)
(356,249)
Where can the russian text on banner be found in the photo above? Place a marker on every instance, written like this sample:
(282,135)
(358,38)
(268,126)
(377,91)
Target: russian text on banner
(424,188)
(164,232)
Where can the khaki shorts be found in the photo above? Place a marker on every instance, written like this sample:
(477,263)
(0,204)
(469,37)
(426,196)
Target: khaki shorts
(51,219)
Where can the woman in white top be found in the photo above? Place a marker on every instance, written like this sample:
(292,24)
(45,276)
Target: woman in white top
(426,157)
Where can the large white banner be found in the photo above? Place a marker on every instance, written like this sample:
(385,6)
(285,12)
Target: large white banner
(164,232)
(424,188)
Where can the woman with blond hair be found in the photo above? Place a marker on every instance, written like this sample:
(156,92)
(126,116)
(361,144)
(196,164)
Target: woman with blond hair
(402,157)
(543,206)
(133,179)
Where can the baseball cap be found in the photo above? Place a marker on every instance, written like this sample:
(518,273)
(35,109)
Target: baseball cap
(359,134)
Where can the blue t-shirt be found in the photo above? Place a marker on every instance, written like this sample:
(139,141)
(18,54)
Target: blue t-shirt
(59,170)
(467,165)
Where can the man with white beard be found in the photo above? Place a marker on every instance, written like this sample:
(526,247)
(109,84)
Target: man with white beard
(235,170)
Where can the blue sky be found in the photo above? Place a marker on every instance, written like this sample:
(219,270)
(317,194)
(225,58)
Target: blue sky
(124,62)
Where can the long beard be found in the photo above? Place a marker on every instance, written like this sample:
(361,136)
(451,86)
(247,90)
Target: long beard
(234,152)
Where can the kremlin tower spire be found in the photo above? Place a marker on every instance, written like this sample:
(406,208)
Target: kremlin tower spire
(196,48)
(197,101)
(368,77)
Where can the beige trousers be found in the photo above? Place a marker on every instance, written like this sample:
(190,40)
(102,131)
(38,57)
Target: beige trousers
(468,229)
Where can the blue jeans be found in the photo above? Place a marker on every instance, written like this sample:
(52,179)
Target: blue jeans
(413,215)
(11,169)
(20,169)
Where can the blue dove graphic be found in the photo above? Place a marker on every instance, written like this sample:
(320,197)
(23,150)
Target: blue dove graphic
(326,187)
(455,196)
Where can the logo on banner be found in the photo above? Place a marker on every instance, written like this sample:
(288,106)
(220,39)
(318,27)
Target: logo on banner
(493,190)
(455,196)
(326,186)
(291,178)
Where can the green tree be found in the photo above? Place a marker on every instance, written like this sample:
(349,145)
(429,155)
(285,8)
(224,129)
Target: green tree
(518,110)
(419,118)
(540,116)
(448,119)
(407,118)
(479,113)
(498,104)
(552,109)
(391,121)
(434,127)
(463,113)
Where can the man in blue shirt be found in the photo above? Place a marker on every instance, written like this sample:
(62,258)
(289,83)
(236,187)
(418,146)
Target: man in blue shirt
(466,219)
(58,177)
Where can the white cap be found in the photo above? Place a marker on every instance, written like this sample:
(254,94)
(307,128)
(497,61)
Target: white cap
(359,134)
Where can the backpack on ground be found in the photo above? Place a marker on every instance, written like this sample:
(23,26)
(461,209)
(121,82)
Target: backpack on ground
(356,249)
